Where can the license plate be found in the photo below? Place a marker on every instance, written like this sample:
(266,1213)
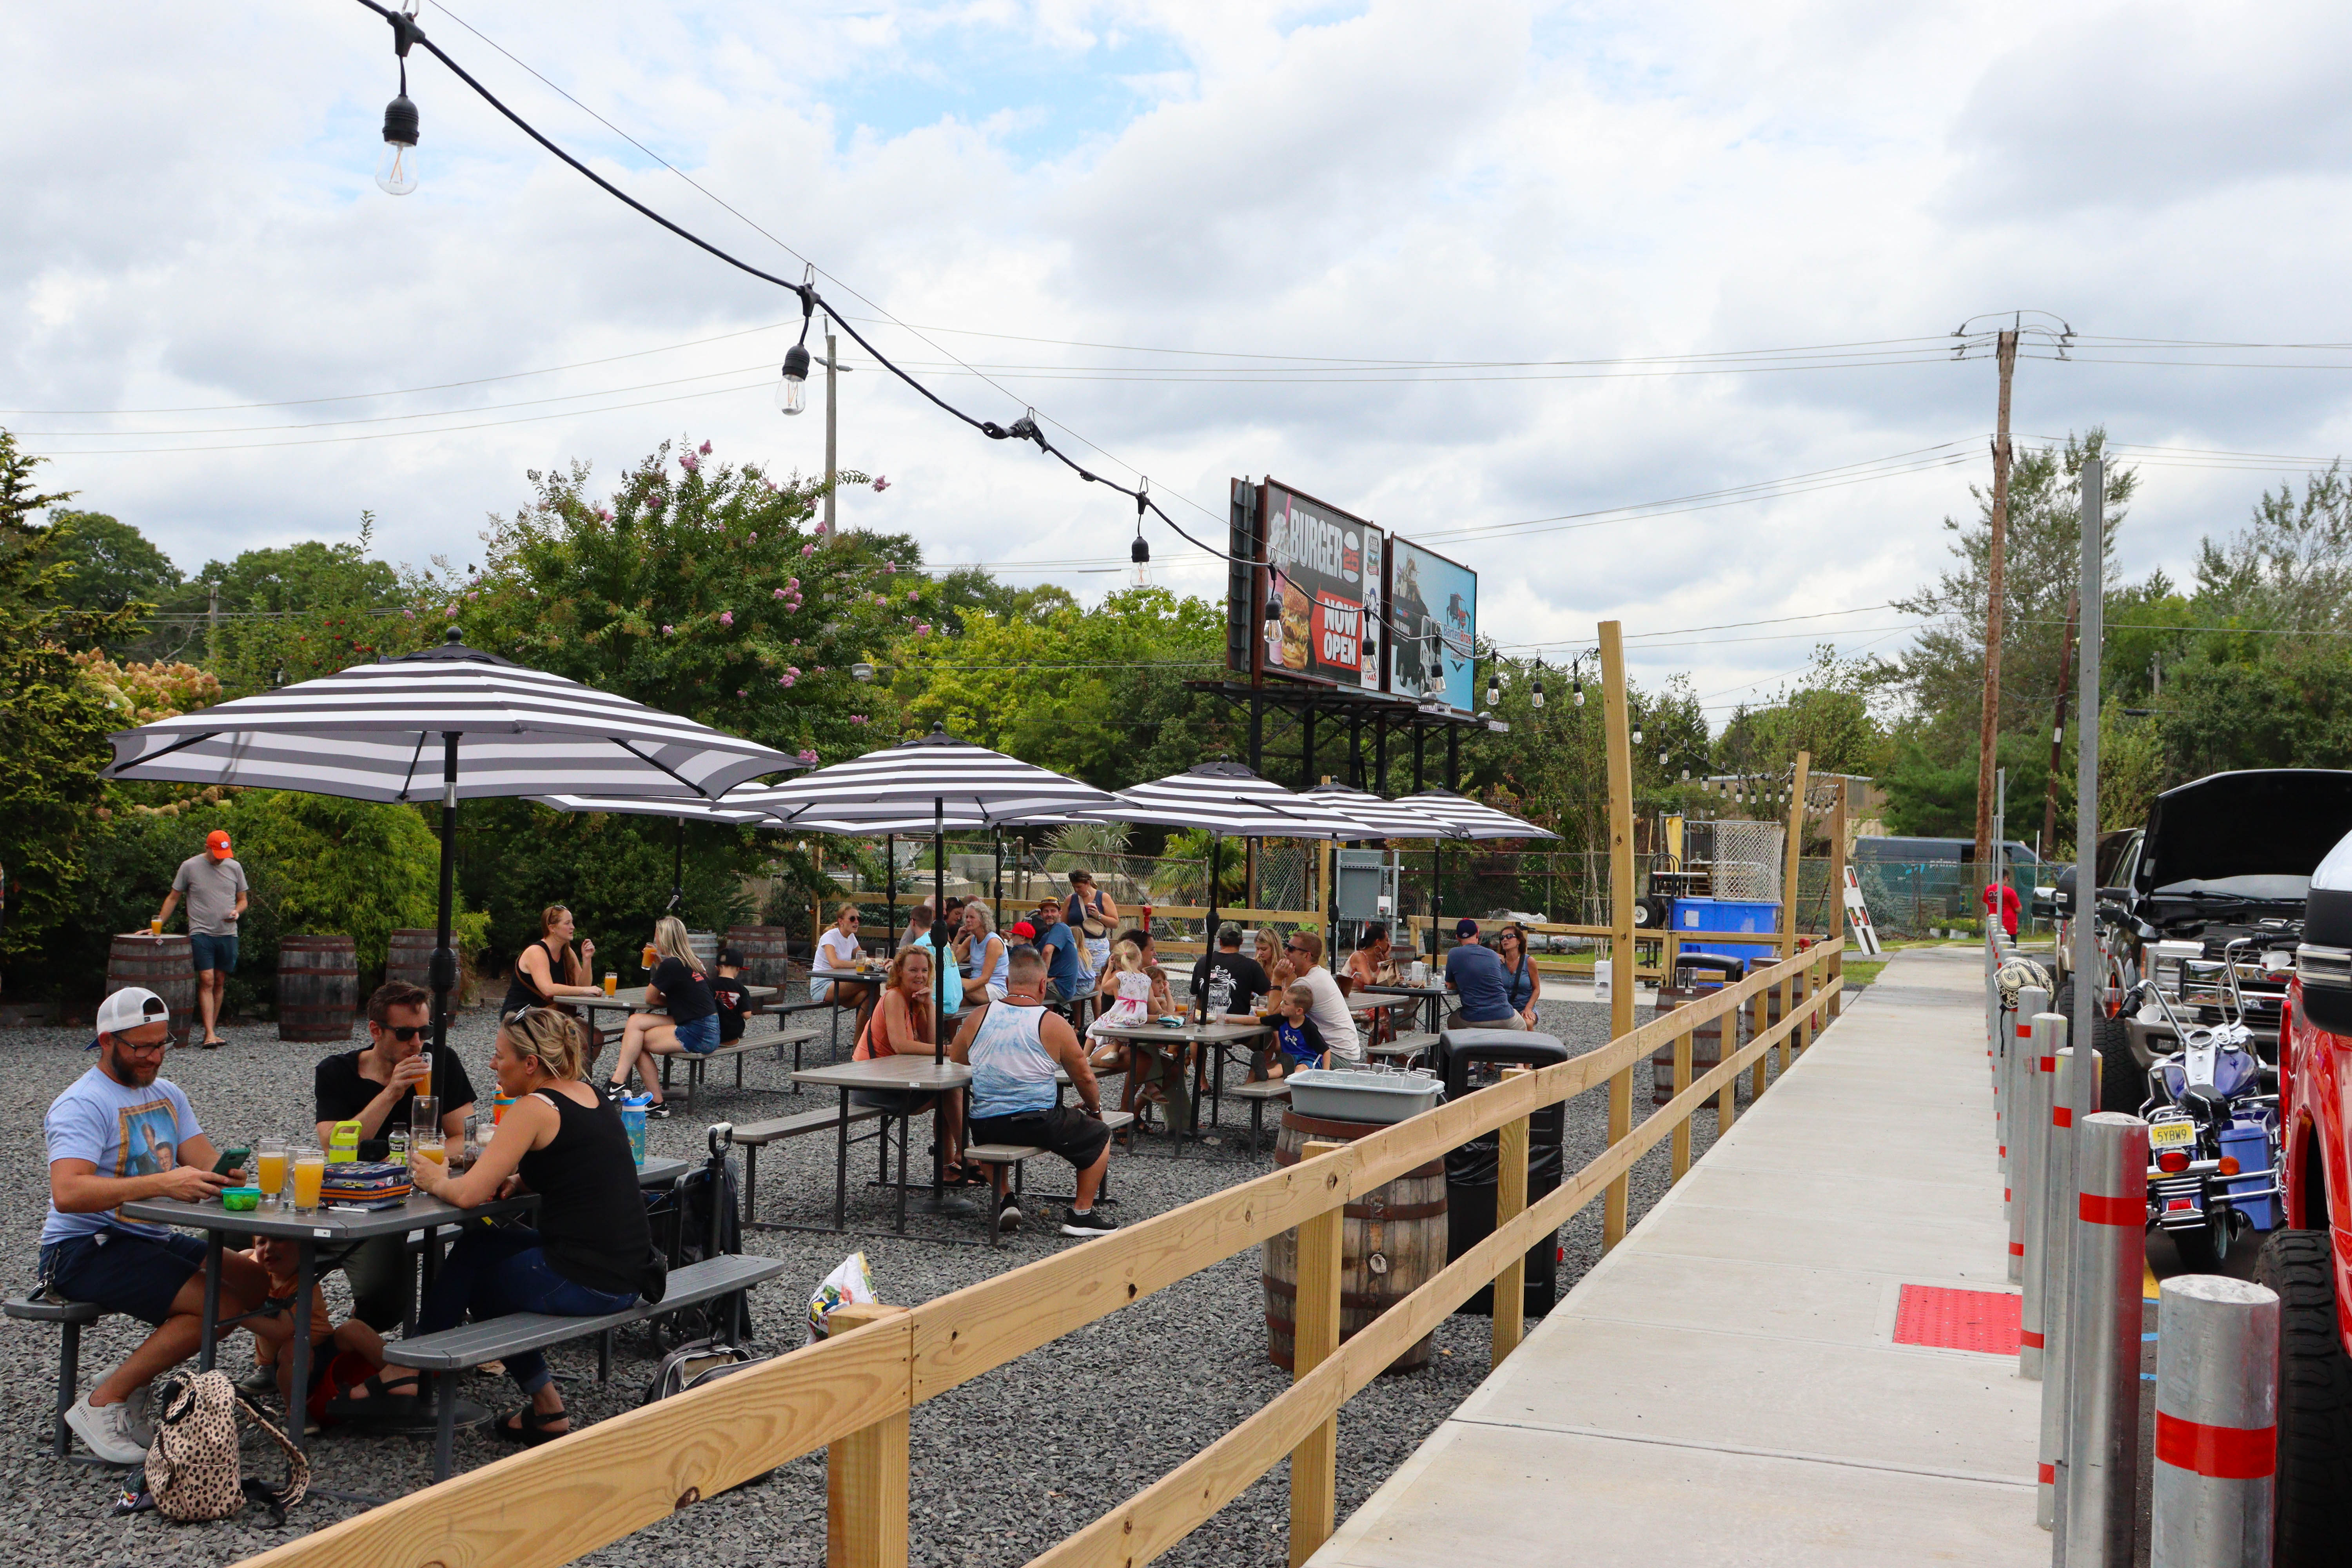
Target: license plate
(2172,1135)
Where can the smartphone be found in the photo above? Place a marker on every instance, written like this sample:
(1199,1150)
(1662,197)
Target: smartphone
(231,1161)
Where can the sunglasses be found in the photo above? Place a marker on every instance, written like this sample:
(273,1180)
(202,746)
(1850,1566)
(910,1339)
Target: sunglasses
(854,920)
(403,1032)
(1295,946)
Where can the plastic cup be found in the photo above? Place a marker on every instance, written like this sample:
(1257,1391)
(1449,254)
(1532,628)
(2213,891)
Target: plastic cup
(612,982)
(424,1118)
(270,1157)
(155,927)
(309,1175)
(646,961)
(433,1148)
(499,1103)
(632,1119)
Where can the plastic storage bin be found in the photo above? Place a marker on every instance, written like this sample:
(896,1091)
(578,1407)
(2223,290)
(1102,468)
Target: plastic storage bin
(1729,915)
(1346,1094)
(2251,1147)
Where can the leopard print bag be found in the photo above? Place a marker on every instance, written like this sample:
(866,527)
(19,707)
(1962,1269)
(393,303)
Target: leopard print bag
(194,1471)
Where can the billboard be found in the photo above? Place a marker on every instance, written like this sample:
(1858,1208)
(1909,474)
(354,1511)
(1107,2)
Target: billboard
(1322,618)
(1434,627)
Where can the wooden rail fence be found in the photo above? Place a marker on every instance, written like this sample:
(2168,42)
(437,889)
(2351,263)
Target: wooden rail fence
(855,1391)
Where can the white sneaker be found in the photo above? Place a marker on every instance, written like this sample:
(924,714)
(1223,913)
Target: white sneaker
(105,1430)
(1009,1216)
(138,1421)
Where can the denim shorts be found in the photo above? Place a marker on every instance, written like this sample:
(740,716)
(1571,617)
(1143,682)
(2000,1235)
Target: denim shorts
(213,952)
(701,1037)
(123,1270)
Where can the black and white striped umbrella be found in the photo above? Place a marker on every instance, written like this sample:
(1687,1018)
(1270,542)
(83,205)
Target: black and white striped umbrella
(384,731)
(448,722)
(1475,820)
(1232,801)
(1388,818)
(933,784)
(930,781)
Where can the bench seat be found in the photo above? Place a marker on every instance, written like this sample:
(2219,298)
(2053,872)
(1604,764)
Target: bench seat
(1257,1095)
(698,1062)
(71,1316)
(452,1351)
(1404,1048)
(1014,1156)
(753,1136)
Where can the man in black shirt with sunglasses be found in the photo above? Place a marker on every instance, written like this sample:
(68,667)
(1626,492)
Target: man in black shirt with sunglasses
(373,1086)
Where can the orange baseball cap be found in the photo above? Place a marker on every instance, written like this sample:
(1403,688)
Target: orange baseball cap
(217,843)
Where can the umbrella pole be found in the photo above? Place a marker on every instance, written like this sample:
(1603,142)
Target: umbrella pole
(444,971)
(678,869)
(939,923)
(890,892)
(1209,929)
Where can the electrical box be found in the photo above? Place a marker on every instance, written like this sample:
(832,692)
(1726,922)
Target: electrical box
(1365,884)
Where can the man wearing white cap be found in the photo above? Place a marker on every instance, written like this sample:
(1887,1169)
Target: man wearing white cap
(216,887)
(119,1133)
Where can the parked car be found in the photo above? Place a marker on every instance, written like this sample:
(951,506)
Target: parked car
(2309,1262)
(1954,852)
(2055,900)
(2211,892)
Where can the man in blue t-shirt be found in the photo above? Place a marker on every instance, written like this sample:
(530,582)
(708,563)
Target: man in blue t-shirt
(118,1134)
(1064,967)
(1475,974)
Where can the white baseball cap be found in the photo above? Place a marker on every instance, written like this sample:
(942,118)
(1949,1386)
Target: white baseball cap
(127,1009)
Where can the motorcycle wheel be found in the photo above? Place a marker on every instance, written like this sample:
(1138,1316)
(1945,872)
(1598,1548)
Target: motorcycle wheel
(2201,1250)
(2315,1404)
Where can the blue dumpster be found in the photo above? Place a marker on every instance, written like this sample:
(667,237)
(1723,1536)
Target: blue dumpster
(1728,914)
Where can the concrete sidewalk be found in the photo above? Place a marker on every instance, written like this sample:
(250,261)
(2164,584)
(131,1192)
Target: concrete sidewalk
(1725,1387)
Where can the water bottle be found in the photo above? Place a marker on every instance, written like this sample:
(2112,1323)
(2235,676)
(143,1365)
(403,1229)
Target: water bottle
(632,1119)
(397,1142)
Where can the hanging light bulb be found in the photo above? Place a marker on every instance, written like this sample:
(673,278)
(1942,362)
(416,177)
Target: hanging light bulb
(396,167)
(792,393)
(1535,693)
(1637,734)
(861,671)
(1576,675)
(1686,773)
(1662,761)
(1494,688)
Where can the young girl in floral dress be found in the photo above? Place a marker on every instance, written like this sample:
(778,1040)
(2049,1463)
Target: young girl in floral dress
(1137,993)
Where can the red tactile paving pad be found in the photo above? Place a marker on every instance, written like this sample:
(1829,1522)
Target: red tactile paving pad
(1947,1319)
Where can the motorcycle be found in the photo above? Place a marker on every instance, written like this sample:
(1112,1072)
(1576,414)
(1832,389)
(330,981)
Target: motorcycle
(2212,1132)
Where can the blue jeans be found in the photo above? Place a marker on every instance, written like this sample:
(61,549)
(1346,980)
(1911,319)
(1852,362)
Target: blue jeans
(494,1271)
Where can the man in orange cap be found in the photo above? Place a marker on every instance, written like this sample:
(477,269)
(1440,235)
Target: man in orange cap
(216,887)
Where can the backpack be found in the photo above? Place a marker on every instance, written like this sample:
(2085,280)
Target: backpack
(193,1469)
(696,1363)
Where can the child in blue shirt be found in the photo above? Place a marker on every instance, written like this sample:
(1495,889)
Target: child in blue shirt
(1298,1043)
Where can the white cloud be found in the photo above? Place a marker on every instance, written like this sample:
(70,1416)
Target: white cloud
(195,225)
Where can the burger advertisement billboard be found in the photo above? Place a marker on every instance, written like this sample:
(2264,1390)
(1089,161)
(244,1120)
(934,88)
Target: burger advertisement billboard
(1324,580)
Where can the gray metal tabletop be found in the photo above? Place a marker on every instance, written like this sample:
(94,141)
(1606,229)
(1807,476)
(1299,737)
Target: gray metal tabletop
(1192,1034)
(631,999)
(908,1072)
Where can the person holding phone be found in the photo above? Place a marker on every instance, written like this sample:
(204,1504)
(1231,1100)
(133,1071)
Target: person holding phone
(119,1133)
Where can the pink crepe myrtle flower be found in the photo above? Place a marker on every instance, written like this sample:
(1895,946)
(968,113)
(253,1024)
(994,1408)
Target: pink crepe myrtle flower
(857,718)
(787,680)
(809,549)
(914,595)
(780,593)
(755,539)
(794,583)
(923,628)
(881,483)
(741,692)
(807,755)
(451,612)
(726,617)
(792,670)
(820,669)
(822,529)
(882,599)
(689,462)
(410,614)
(890,566)
(705,448)
(668,630)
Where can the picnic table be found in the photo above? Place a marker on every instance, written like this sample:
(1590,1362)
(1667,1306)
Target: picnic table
(1432,998)
(340,1230)
(911,1074)
(631,999)
(1215,1036)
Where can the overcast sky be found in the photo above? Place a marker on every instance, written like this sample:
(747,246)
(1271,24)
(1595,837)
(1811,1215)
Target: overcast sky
(1206,239)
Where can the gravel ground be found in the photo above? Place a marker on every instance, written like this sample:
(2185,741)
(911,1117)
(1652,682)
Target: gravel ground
(1122,1401)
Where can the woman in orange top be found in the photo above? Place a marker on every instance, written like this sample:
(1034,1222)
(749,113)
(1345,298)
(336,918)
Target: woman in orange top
(902,1023)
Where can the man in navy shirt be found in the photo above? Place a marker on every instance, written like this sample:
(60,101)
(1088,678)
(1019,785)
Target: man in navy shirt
(1475,974)
(1063,965)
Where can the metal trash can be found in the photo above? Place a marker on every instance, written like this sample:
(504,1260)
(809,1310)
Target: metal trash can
(1695,974)
(1469,1061)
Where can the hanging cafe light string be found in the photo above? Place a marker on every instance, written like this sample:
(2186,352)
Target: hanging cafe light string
(396,174)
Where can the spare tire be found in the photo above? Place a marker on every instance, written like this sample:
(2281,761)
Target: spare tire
(2315,1404)
(2123,1076)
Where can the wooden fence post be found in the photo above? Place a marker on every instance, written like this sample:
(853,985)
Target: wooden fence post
(866,1476)
(1315,1338)
(1682,1133)
(1510,1201)
(1837,886)
(1756,1025)
(1621,910)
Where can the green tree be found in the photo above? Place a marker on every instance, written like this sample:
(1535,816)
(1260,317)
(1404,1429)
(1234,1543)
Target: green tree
(2291,566)
(114,567)
(1827,713)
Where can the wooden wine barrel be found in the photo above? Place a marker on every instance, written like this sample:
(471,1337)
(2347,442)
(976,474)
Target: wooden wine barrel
(705,944)
(163,964)
(1392,1241)
(1707,1041)
(409,956)
(764,951)
(318,987)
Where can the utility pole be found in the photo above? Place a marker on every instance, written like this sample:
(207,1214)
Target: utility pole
(832,422)
(212,632)
(2058,727)
(1988,725)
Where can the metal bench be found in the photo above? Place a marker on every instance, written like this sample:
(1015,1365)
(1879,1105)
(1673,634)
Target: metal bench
(1257,1093)
(753,1136)
(70,1316)
(1014,1156)
(468,1345)
(696,1063)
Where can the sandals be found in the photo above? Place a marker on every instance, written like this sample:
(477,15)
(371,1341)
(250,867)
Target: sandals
(962,1177)
(530,1429)
(382,1400)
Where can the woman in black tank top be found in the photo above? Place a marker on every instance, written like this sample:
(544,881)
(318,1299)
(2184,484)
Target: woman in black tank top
(550,967)
(593,1248)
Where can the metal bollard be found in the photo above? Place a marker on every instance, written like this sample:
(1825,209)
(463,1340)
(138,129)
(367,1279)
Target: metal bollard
(2023,1049)
(2057,1230)
(2033,1111)
(2100,1474)
(2216,1423)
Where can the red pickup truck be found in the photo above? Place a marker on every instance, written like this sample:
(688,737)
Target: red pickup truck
(2309,1260)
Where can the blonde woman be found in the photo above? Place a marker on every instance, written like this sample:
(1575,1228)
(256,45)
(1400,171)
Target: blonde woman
(982,953)
(588,1251)
(679,983)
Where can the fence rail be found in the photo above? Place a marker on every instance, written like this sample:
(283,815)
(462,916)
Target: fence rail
(855,1390)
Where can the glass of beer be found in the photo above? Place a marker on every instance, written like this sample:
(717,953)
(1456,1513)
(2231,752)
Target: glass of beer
(612,981)
(155,926)
(309,1175)
(424,1118)
(647,962)
(270,1155)
(432,1146)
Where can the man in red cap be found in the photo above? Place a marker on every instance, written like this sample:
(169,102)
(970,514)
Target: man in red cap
(216,887)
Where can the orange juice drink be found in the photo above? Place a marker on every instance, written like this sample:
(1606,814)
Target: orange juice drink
(309,1175)
(612,982)
(273,1174)
(436,1153)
